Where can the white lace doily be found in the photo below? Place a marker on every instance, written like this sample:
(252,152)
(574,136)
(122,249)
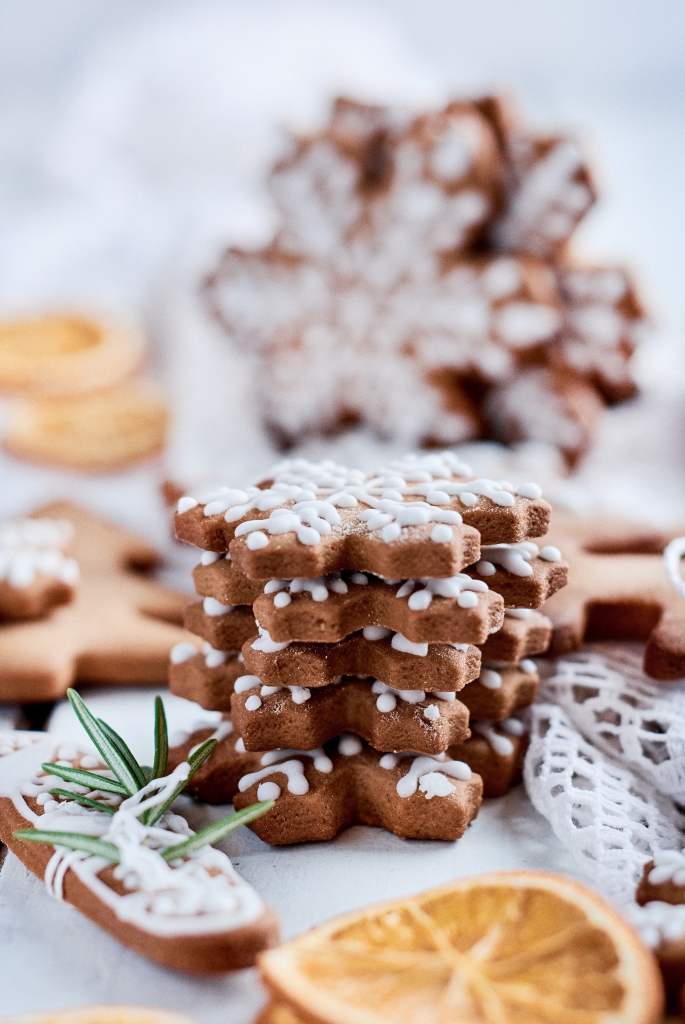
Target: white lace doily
(633,719)
(608,818)
(605,764)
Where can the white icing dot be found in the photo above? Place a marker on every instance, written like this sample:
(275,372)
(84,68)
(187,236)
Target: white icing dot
(375,632)
(211,606)
(349,745)
(209,557)
(513,726)
(550,553)
(432,712)
(244,683)
(253,702)
(359,578)
(268,791)
(257,540)
(442,534)
(214,658)
(400,643)
(185,504)
(182,652)
(485,569)
(529,490)
(490,679)
(386,702)
(281,600)
(528,666)
(468,599)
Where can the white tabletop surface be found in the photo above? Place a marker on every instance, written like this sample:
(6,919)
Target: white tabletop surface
(130,141)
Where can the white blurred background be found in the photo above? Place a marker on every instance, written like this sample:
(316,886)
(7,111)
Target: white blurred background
(134,138)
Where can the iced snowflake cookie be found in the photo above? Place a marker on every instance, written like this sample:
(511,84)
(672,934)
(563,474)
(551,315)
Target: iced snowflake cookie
(268,716)
(320,792)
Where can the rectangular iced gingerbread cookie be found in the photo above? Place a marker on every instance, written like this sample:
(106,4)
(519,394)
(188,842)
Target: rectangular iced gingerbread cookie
(194,914)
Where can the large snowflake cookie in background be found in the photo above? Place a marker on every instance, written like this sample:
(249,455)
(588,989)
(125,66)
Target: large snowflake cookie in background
(417,273)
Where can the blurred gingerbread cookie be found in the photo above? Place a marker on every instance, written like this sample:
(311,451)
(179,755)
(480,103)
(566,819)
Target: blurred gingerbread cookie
(619,589)
(119,627)
(35,573)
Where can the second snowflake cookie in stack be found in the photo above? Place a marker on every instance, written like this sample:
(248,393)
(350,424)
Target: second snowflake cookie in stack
(342,633)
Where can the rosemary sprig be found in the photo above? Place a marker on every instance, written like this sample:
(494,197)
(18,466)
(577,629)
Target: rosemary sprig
(161,741)
(85,800)
(213,833)
(83,778)
(131,777)
(195,761)
(72,840)
(126,755)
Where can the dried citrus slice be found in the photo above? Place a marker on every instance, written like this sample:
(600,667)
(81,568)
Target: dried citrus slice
(106,430)
(506,948)
(101,1015)
(64,354)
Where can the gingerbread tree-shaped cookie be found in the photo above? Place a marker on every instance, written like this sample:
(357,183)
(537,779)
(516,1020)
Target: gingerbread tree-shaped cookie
(119,628)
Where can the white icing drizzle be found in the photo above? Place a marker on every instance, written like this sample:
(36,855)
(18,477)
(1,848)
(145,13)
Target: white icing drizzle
(303,498)
(32,547)
(310,520)
(490,679)
(669,866)
(376,632)
(209,557)
(672,556)
(299,694)
(518,613)
(400,643)
(214,658)
(349,745)
(388,696)
(461,586)
(657,922)
(10,742)
(275,761)
(182,652)
(211,606)
(201,894)
(515,558)
(501,745)
(319,587)
(427,774)
(265,644)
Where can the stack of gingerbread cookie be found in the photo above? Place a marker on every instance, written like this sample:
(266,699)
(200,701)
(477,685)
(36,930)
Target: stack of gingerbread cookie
(346,619)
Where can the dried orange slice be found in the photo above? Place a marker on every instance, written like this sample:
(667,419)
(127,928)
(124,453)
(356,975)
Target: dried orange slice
(64,354)
(101,1015)
(506,948)
(107,430)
